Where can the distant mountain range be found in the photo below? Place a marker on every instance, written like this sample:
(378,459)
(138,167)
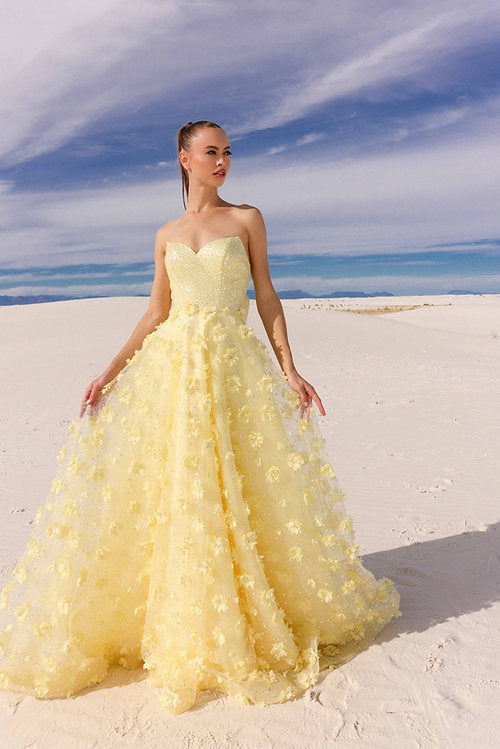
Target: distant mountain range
(6,300)
(299,294)
(459,291)
(37,298)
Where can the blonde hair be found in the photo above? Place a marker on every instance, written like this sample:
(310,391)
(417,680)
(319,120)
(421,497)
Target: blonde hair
(184,138)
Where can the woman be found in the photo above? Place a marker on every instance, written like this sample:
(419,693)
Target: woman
(195,528)
(205,159)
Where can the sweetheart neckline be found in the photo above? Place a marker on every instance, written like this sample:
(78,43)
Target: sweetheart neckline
(217,239)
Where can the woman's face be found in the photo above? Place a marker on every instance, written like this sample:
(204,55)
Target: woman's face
(209,157)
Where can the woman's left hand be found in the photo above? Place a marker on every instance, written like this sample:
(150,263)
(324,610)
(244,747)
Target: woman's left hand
(307,394)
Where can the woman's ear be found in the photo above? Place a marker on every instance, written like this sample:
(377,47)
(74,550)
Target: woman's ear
(183,158)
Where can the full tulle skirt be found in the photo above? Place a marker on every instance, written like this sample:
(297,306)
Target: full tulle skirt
(194,528)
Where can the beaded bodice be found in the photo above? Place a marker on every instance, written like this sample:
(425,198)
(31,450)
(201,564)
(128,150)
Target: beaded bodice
(216,277)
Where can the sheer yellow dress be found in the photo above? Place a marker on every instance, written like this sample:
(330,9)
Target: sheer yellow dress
(194,527)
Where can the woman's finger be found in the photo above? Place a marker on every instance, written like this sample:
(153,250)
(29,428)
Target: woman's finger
(86,400)
(313,396)
(318,402)
(305,403)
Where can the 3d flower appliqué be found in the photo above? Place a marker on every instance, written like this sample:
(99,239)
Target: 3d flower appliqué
(56,485)
(327,470)
(265,383)
(192,461)
(107,414)
(325,595)
(248,581)
(295,461)
(233,382)
(74,464)
(295,553)
(231,356)
(97,473)
(219,602)
(249,539)
(218,333)
(279,650)
(136,468)
(294,526)
(22,611)
(256,440)
(273,474)
(245,331)
(267,413)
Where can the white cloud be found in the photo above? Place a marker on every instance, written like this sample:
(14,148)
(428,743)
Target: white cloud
(80,63)
(65,67)
(303,141)
(276,149)
(394,284)
(397,201)
(309,138)
(474,118)
(400,50)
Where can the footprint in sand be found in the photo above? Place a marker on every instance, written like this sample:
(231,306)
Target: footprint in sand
(437,488)
(434,663)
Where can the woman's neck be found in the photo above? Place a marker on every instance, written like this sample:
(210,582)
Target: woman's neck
(202,199)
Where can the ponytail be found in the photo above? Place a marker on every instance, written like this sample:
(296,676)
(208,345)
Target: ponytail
(184,138)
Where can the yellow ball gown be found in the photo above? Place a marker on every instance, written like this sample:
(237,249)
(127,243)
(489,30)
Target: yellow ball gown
(195,527)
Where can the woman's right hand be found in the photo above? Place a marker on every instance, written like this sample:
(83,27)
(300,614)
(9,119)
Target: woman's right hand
(92,393)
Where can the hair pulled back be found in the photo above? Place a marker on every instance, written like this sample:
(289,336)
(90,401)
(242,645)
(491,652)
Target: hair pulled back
(184,138)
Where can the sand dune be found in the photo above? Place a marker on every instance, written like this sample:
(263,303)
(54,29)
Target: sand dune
(412,400)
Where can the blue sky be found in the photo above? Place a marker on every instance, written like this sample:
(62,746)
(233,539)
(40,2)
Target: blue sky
(366,132)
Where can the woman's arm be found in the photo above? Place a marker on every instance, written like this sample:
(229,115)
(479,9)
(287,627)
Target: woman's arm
(157,311)
(271,311)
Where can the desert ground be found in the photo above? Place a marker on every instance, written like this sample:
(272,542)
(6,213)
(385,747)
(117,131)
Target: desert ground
(411,389)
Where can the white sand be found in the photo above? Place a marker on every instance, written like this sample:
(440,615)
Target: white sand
(412,401)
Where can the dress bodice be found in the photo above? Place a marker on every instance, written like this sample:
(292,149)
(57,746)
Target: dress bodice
(215,277)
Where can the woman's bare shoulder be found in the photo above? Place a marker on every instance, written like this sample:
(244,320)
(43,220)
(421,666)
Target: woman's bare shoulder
(246,208)
(249,215)
(166,231)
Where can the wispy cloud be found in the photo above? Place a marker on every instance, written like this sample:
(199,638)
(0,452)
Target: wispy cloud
(359,128)
(276,149)
(400,52)
(404,200)
(309,138)
(77,67)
